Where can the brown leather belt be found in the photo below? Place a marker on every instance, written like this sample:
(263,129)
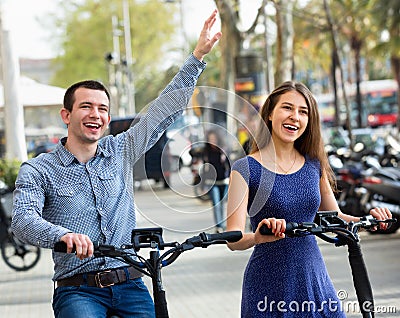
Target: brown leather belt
(101,279)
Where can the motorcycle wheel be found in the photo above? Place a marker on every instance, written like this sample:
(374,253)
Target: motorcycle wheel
(351,206)
(19,256)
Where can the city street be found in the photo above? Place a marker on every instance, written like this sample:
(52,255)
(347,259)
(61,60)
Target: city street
(206,282)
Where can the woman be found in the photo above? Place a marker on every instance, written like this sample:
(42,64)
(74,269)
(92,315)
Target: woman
(285,178)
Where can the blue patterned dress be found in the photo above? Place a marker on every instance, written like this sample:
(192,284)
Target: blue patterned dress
(286,278)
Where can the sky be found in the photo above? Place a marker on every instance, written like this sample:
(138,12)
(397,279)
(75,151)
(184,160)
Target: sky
(30,38)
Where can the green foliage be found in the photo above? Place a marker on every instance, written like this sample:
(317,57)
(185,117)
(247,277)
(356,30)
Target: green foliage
(87,37)
(355,23)
(9,170)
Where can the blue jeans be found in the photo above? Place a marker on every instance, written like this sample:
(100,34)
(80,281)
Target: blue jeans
(130,299)
(217,194)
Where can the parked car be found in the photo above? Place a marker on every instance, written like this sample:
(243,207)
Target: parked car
(155,164)
(43,147)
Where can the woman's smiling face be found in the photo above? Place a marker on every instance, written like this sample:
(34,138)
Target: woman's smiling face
(289,118)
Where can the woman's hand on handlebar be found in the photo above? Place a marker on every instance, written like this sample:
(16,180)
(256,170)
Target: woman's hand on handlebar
(277,226)
(381,214)
(80,243)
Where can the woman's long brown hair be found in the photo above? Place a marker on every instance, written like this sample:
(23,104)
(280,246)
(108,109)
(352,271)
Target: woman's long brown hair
(310,142)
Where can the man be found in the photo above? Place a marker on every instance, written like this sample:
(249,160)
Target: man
(83,192)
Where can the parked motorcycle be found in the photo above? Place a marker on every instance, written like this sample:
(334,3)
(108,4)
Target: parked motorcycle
(16,254)
(383,190)
(363,183)
(391,156)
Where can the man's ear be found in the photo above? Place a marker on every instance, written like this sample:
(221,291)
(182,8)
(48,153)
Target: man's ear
(65,113)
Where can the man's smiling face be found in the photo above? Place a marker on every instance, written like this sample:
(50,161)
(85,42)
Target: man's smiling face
(89,117)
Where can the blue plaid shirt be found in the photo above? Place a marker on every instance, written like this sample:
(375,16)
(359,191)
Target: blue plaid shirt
(56,194)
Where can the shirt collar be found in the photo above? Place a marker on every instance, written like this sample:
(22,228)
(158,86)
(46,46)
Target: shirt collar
(67,158)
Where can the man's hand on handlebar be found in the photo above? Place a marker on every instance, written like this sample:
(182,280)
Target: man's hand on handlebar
(277,226)
(78,243)
(381,214)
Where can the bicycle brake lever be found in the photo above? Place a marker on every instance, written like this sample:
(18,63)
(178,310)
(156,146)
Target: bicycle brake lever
(191,243)
(108,250)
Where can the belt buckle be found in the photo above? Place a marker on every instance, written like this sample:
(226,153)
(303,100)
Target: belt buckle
(97,279)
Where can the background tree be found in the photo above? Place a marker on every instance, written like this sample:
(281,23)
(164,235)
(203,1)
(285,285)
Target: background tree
(387,17)
(87,37)
(230,42)
(233,38)
(285,36)
(357,33)
(353,22)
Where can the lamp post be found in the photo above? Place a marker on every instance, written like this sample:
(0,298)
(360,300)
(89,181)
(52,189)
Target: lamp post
(120,69)
(130,87)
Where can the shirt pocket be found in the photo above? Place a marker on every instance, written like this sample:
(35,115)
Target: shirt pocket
(70,198)
(110,183)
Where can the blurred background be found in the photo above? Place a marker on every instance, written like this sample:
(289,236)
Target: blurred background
(347,52)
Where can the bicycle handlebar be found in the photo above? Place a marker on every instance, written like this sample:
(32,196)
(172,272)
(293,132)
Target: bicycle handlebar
(346,234)
(230,236)
(202,240)
(328,222)
(152,238)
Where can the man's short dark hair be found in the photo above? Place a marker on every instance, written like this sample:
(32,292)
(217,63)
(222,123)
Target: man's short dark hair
(69,97)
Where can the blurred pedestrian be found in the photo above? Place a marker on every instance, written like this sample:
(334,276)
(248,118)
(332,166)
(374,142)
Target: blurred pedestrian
(215,175)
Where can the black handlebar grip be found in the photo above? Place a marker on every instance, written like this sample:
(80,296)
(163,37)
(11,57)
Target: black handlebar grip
(230,236)
(61,247)
(290,226)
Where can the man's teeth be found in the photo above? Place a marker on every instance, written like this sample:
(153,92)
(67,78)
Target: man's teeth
(291,127)
(92,125)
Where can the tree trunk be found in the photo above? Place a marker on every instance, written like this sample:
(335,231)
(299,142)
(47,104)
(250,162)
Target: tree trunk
(356,45)
(339,64)
(230,43)
(284,58)
(395,62)
(335,87)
